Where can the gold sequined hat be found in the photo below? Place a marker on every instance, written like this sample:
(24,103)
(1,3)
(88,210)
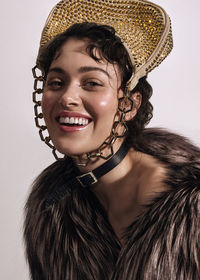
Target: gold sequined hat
(143,27)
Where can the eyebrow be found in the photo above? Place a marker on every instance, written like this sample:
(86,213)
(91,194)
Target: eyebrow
(56,69)
(85,69)
(82,69)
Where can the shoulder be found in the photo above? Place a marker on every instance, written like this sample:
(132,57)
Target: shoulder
(180,155)
(169,146)
(182,159)
(165,240)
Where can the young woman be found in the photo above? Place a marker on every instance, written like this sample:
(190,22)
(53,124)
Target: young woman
(124,201)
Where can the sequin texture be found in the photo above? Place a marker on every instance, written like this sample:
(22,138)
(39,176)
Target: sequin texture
(143,27)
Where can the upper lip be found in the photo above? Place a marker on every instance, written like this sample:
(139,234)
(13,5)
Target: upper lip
(72,114)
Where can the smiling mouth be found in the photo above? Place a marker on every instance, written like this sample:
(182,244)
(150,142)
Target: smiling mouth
(73,121)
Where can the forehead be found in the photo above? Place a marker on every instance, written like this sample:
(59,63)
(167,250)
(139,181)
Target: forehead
(74,52)
(74,45)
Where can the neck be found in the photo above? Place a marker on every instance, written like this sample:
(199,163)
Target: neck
(110,185)
(110,182)
(119,172)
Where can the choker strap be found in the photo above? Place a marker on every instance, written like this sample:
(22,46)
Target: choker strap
(89,178)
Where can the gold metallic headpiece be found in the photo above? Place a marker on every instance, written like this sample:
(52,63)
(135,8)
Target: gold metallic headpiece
(143,27)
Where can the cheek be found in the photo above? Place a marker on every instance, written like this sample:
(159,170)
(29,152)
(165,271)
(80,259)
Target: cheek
(104,105)
(47,104)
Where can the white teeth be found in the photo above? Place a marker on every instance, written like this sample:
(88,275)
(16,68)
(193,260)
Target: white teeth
(72,120)
(64,120)
(80,121)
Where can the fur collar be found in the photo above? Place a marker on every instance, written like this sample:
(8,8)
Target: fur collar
(74,240)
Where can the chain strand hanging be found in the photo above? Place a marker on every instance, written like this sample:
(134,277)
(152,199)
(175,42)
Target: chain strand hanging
(38,90)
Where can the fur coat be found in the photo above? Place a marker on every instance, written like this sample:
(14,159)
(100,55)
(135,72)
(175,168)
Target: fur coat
(73,239)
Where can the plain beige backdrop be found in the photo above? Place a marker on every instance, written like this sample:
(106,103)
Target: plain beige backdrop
(176,101)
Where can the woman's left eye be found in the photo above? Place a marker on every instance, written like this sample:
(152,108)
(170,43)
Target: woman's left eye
(91,84)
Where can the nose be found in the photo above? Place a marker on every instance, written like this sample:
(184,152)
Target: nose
(70,97)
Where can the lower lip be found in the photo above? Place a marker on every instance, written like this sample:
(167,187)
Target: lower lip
(66,128)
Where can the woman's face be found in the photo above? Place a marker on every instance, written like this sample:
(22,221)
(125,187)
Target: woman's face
(80,99)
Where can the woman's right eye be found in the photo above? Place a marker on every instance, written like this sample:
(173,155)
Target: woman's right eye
(54,84)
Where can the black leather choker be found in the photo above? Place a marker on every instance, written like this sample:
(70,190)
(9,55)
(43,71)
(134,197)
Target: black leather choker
(89,178)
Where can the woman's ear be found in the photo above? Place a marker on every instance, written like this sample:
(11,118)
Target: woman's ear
(137,101)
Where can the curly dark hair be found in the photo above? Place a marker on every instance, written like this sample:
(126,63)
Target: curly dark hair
(103,38)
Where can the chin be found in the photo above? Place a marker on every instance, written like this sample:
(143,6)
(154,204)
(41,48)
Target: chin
(73,150)
(75,147)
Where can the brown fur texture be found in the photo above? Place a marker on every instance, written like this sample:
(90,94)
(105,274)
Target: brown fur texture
(74,240)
